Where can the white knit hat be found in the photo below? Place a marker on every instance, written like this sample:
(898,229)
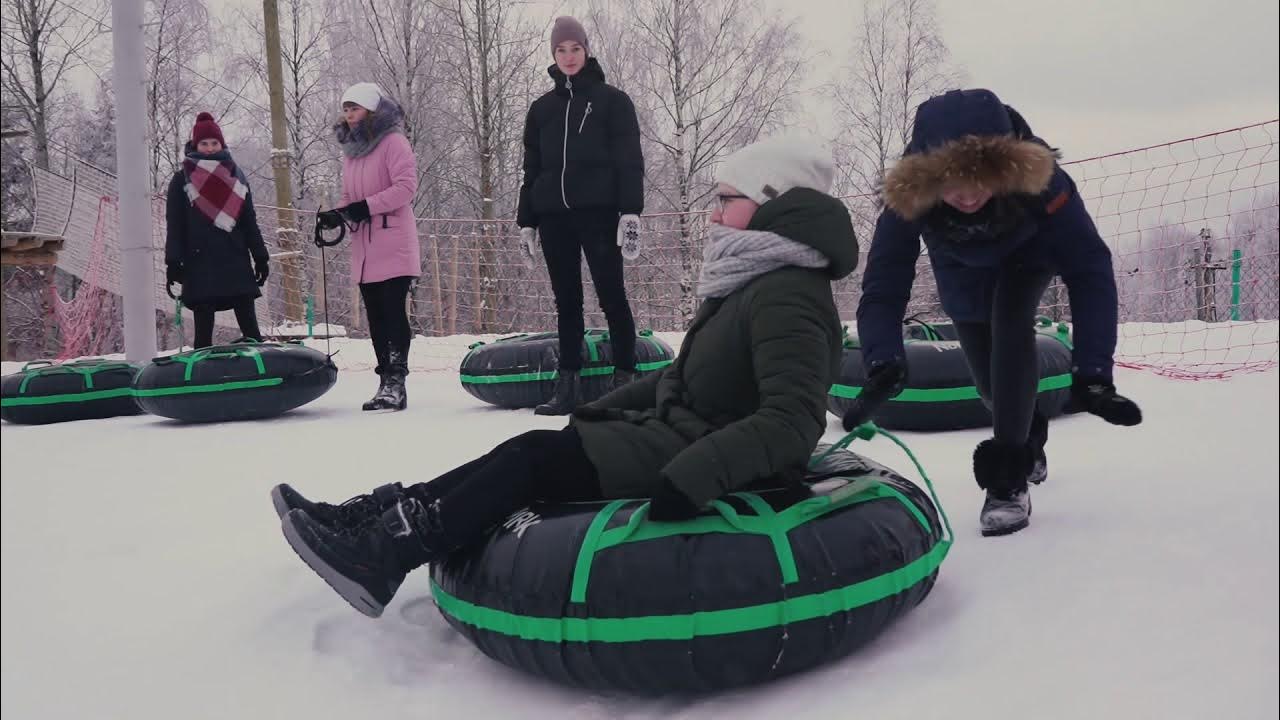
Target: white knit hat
(770,167)
(366,94)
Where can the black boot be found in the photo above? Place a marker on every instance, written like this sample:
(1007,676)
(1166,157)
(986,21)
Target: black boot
(351,513)
(565,397)
(373,402)
(1002,470)
(391,394)
(1036,440)
(367,563)
(622,377)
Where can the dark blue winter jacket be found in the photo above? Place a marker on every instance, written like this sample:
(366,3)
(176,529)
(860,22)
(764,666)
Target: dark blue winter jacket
(1036,222)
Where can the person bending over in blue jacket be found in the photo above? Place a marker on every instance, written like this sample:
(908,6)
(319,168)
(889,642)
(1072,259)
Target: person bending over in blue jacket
(1000,218)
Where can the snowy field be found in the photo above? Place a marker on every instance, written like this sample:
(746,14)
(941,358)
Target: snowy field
(144,574)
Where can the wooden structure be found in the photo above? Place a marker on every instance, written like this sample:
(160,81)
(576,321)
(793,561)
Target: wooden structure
(25,248)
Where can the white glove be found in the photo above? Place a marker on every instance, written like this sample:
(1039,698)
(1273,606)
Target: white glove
(629,236)
(529,244)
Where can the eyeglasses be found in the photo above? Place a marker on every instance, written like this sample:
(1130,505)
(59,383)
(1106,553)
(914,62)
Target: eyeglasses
(726,199)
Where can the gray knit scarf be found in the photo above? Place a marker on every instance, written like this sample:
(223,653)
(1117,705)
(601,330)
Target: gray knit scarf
(361,140)
(732,258)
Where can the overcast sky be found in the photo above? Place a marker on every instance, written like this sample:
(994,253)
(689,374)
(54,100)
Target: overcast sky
(1091,76)
(1095,76)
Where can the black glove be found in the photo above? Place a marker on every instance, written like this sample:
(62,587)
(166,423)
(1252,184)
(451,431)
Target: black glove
(885,380)
(671,505)
(329,219)
(356,212)
(590,412)
(261,272)
(1098,396)
(172,274)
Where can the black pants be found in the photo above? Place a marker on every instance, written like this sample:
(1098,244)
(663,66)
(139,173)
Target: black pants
(246,318)
(538,465)
(1002,355)
(384,305)
(566,237)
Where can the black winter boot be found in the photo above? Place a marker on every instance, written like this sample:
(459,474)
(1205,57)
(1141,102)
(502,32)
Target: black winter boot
(622,377)
(565,397)
(1036,440)
(366,564)
(373,403)
(351,513)
(1002,470)
(391,394)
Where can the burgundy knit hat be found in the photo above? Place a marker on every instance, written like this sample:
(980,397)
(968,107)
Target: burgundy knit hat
(206,128)
(567,28)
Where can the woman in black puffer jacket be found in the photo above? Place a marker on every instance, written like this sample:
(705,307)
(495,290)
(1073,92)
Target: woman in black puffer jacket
(583,191)
(213,245)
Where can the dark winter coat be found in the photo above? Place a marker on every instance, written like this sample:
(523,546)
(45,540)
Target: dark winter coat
(217,266)
(745,399)
(1036,222)
(581,149)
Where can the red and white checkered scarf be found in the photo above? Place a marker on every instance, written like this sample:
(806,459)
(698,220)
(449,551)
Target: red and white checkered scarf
(215,188)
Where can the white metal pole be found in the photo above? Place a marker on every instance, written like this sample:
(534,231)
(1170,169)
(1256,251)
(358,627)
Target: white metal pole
(138,277)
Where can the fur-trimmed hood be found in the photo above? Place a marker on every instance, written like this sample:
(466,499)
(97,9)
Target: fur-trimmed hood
(968,136)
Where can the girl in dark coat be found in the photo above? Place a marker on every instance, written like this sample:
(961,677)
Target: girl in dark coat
(583,191)
(1000,219)
(213,246)
(743,405)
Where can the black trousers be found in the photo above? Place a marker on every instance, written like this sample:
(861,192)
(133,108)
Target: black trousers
(384,305)
(1002,355)
(246,318)
(538,465)
(566,237)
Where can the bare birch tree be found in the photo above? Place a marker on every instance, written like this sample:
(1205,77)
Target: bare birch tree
(487,71)
(897,61)
(709,76)
(178,34)
(310,110)
(44,40)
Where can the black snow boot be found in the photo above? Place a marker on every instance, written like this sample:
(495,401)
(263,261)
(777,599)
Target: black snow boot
(565,397)
(351,513)
(1002,470)
(391,393)
(1036,440)
(366,564)
(622,377)
(373,403)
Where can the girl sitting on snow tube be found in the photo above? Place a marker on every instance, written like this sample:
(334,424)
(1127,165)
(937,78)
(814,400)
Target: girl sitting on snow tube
(743,403)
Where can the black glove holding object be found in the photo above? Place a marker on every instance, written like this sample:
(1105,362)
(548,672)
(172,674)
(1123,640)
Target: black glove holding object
(885,379)
(671,505)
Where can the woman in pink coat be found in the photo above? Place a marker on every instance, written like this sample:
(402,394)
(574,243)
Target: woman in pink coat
(379,180)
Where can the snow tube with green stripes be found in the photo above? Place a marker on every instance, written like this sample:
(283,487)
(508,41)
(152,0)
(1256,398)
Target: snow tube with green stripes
(940,394)
(46,392)
(234,382)
(758,587)
(520,371)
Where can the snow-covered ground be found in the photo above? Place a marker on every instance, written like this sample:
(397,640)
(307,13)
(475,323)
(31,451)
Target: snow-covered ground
(144,574)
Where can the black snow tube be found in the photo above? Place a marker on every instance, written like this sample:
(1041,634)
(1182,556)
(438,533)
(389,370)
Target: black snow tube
(940,394)
(596,596)
(45,392)
(234,382)
(520,371)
